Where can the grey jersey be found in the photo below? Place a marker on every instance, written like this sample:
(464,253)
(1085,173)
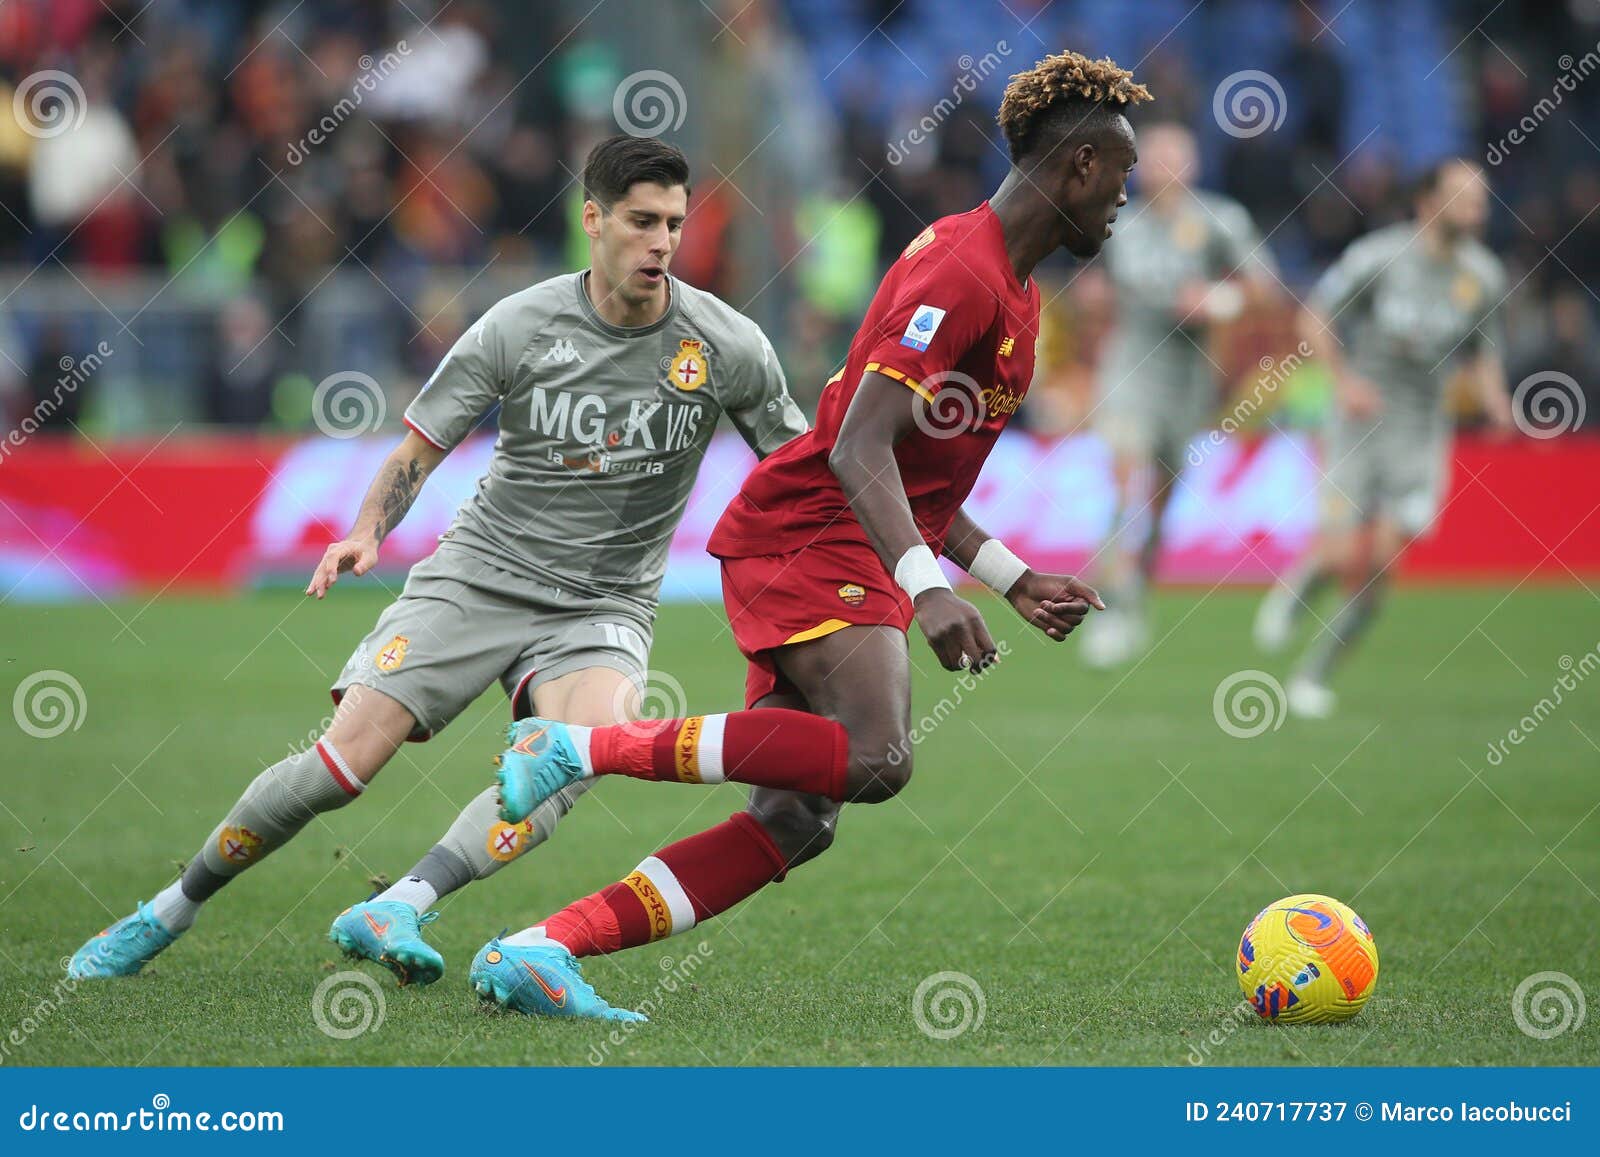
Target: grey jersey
(602,428)
(1149,258)
(1404,314)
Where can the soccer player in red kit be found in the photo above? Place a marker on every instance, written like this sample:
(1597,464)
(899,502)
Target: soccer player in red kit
(829,552)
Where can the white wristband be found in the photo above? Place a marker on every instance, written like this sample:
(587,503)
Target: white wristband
(996,567)
(918,571)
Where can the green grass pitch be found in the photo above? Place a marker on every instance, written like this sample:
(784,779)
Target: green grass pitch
(1086,848)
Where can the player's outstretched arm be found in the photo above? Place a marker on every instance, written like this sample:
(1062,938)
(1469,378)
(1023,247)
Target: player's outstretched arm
(883,412)
(1054,603)
(391,494)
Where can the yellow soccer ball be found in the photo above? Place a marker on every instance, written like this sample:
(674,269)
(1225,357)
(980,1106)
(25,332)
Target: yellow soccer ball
(1307,959)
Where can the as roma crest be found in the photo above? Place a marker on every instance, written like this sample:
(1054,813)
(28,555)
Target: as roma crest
(689,365)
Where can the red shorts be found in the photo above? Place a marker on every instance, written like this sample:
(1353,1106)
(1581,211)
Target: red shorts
(774,600)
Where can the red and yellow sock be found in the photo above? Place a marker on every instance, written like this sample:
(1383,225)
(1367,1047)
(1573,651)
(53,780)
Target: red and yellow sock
(769,747)
(671,891)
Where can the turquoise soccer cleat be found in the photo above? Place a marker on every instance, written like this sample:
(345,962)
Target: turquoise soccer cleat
(122,949)
(541,981)
(539,762)
(389,933)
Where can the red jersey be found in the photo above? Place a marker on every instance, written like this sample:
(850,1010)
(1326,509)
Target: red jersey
(949,320)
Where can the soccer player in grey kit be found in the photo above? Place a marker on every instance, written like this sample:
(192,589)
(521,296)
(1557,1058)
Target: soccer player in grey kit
(1396,314)
(609,384)
(1183,261)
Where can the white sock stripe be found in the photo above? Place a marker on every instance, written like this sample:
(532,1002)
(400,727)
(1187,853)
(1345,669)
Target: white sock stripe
(710,750)
(671,891)
(579,735)
(355,786)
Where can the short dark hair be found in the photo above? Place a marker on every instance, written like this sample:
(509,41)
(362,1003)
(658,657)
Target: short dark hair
(1427,182)
(618,163)
(1065,96)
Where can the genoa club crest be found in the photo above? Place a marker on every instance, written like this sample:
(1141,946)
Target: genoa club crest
(688,368)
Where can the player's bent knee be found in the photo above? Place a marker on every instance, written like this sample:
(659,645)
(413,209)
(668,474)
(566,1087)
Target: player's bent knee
(802,827)
(882,771)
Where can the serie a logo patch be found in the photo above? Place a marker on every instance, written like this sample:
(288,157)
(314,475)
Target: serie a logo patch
(923,325)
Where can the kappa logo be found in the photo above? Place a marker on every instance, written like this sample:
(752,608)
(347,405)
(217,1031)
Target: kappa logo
(563,352)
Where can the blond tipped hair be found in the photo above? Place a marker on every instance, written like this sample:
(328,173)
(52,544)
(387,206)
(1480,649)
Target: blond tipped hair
(1069,86)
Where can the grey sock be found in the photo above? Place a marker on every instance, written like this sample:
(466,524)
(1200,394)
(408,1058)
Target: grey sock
(277,804)
(1340,634)
(1305,585)
(479,843)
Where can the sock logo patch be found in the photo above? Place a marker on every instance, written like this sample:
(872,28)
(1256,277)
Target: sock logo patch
(654,903)
(239,845)
(686,751)
(508,841)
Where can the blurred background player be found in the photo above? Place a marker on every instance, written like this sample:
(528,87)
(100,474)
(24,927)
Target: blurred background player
(548,578)
(1392,319)
(1183,260)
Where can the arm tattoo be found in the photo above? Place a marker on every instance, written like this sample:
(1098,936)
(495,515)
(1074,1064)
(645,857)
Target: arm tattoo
(392,494)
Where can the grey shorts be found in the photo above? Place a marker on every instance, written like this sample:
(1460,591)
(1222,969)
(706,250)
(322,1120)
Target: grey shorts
(1394,469)
(462,622)
(1147,414)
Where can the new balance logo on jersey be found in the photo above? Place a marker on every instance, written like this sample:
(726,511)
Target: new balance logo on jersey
(563,352)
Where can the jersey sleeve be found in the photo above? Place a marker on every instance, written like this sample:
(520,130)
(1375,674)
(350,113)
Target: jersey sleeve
(941,309)
(1352,275)
(759,403)
(1489,335)
(1241,249)
(466,383)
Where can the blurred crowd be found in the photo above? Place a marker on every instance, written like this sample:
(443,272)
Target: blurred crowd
(240,160)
